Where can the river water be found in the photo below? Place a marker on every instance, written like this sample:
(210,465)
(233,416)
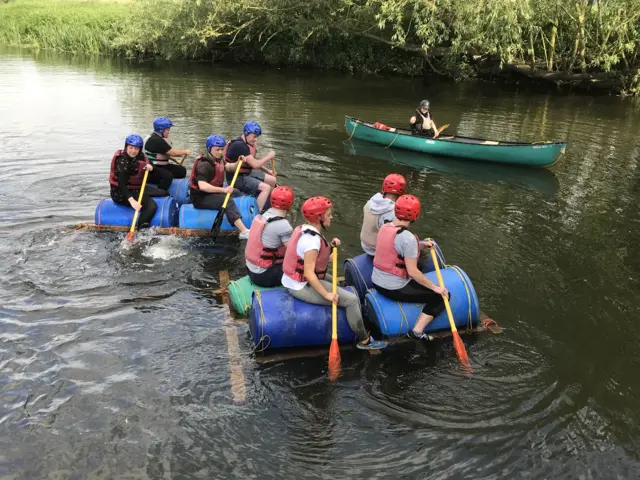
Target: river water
(114,362)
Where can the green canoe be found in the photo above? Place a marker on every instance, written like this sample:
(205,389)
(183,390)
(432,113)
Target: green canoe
(542,154)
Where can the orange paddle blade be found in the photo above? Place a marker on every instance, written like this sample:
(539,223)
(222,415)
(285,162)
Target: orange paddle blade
(334,360)
(461,351)
(130,236)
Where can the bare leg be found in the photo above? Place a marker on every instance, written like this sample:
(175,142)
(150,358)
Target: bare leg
(421,324)
(270,180)
(265,191)
(239,225)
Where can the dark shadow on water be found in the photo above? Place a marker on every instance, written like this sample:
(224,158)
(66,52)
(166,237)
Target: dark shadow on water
(541,180)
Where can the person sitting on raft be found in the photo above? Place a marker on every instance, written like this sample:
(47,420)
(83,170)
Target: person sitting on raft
(159,150)
(206,183)
(395,267)
(268,239)
(305,267)
(126,175)
(379,210)
(242,146)
(421,121)
(263,174)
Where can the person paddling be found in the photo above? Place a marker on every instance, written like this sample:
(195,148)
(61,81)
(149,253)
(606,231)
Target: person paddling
(264,174)
(268,239)
(305,266)
(206,183)
(395,267)
(379,210)
(159,150)
(421,121)
(125,177)
(245,146)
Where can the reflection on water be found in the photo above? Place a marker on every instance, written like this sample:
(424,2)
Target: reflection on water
(114,361)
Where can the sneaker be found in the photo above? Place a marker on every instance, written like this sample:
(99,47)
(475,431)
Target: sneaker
(419,336)
(372,345)
(244,235)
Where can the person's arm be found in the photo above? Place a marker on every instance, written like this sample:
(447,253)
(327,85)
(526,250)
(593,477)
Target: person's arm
(204,172)
(207,187)
(310,274)
(435,129)
(415,273)
(271,156)
(176,152)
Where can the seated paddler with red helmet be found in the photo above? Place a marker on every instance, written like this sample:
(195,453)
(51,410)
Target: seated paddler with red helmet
(395,266)
(380,210)
(126,175)
(244,146)
(305,269)
(268,239)
(206,183)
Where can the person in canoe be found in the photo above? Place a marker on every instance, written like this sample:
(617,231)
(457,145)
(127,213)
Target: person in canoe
(268,239)
(125,178)
(251,132)
(395,267)
(379,210)
(206,183)
(422,123)
(305,269)
(159,150)
(244,146)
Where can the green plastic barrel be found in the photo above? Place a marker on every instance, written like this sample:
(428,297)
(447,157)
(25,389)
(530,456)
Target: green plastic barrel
(240,292)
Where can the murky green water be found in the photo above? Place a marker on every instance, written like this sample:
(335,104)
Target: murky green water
(114,363)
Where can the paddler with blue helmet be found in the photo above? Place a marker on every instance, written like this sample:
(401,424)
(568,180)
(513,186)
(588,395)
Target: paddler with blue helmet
(159,150)
(125,177)
(249,180)
(206,183)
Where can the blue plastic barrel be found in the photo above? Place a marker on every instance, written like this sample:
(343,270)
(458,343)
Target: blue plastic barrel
(278,320)
(358,270)
(191,217)
(110,213)
(395,318)
(179,190)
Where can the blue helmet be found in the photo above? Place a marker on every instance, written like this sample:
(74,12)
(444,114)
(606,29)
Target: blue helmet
(215,141)
(160,124)
(134,140)
(252,127)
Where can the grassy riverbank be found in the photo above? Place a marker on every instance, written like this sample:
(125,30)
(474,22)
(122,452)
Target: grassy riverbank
(77,26)
(583,44)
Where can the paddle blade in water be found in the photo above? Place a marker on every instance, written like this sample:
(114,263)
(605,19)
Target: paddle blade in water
(461,351)
(130,236)
(334,360)
(217,223)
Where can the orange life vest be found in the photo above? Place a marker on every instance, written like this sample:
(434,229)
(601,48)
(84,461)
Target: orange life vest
(135,180)
(387,257)
(255,252)
(293,265)
(246,168)
(218,178)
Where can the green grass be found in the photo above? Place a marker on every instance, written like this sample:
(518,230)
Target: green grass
(77,26)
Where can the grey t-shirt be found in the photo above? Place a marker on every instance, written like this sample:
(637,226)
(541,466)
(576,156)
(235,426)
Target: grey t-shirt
(407,246)
(274,235)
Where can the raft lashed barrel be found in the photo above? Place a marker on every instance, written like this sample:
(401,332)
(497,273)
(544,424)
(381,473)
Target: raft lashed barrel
(278,320)
(179,190)
(110,213)
(191,217)
(241,292)
(358,270)
(395,318)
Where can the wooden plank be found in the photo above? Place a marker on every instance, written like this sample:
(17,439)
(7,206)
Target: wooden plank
(238,389)
(179,232)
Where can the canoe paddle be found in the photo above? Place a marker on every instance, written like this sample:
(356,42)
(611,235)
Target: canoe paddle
(181,161)
(442,128)
(457,341)
(334,350)
(217,223)
(135,214)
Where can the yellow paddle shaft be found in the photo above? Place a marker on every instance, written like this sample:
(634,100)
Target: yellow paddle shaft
(334,289)
(233,182)
(135,214)
(445,297)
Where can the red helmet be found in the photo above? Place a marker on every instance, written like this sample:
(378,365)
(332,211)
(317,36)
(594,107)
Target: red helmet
(407,208)
(394,183)
(282,197)
(315,208)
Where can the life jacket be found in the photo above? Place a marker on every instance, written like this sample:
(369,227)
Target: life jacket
(380,126)
(421,120)
(293,265)
(255,252)
(135,180)
(218,177)
(246,168)
(156,157)
(369,231)
(387,257)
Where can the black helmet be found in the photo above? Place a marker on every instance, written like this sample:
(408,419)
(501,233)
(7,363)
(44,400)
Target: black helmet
(424,104)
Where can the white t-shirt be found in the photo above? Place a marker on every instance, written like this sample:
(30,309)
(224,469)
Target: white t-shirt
(305,244)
